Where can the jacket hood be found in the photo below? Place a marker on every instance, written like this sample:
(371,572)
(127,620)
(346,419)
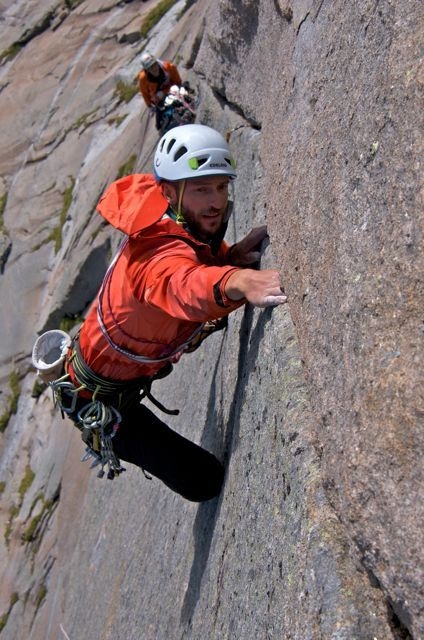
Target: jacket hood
(133,203)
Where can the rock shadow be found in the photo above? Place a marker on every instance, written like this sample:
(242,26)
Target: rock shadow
(208,512)
(248,353)
(203,528)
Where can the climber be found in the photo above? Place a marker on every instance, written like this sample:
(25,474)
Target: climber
(172,282)
(154,80)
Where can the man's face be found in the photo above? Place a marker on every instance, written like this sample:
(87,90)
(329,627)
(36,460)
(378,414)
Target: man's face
(154,69)
(204,204)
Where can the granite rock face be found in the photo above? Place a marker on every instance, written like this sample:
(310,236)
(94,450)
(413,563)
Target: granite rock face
(315,407)
(343,179)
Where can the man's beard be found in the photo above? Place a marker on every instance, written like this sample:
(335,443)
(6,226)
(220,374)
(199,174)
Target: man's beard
(197,230)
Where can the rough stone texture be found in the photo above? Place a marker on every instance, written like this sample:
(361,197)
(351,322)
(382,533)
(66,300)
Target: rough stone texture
(315,406)
(343,179)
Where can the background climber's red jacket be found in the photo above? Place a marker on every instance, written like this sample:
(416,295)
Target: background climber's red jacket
(148,89)
(164,284)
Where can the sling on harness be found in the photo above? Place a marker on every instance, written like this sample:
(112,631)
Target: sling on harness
(104,295)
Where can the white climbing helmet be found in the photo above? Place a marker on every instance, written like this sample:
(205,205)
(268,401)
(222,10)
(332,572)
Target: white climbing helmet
(147,61)
(191,151)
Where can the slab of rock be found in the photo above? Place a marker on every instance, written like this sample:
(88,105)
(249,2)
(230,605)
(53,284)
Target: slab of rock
(315,407)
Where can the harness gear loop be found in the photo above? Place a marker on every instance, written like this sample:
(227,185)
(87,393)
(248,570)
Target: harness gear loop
(58,387)
(115,391)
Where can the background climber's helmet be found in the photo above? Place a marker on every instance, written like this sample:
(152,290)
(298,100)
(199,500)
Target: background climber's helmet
(191,151)
(175,90)
(147,61)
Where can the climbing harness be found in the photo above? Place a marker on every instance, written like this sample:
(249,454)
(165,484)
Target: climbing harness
(97,422)
(116,390)
(93,404)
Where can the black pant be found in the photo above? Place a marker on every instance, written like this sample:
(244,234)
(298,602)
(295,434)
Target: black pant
(186,468)
(158,118)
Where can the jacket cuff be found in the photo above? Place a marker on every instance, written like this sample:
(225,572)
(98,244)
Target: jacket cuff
(221,298)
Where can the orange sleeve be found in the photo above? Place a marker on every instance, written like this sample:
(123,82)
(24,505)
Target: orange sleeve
(174,75)
(144,87)
(175,281)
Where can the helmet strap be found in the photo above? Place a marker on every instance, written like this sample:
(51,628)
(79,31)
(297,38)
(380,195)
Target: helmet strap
(179,212)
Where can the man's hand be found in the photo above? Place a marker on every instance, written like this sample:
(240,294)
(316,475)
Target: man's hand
(260,288)
(247,251)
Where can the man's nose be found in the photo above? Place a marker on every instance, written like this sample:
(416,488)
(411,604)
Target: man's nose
(217,199)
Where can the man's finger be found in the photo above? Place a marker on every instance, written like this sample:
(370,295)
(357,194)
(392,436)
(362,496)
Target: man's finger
(273,301)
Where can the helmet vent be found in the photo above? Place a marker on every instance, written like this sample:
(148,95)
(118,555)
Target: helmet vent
(181,151)
(170,145)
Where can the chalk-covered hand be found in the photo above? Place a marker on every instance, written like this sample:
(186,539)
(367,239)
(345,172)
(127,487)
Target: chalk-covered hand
(247,251)
(260,288)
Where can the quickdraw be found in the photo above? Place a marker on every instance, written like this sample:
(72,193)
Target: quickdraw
(97,422)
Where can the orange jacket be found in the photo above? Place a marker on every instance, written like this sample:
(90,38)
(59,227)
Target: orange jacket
(163,286)
(148,89)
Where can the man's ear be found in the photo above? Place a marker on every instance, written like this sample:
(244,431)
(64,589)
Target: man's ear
(169,192)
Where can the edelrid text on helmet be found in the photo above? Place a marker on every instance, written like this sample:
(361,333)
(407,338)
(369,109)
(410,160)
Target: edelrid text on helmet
(191,151)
